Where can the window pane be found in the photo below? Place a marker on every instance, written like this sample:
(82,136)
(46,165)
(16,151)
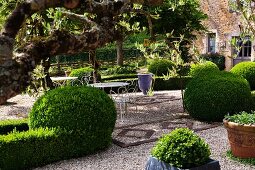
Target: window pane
(243,47)
(211,42)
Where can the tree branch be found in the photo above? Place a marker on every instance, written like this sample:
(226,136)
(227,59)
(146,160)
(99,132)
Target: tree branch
(15,70)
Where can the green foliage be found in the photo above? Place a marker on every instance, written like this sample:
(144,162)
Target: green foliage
(172,83)
(63,123)
(103,54)
(119,70)
(242,118)
(7,126)
(212,97)
(253,100)
(80,73)
(136,38)
(246,70)
(249,161)
(38,84)
(216,58)
(180,17)
(203,69)
(6,6)
(160,67)
(119,76)
(23,150)
(86,112)
(182,148)
(74,108)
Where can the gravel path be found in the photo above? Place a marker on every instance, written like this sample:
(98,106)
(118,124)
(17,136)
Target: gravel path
(134,157)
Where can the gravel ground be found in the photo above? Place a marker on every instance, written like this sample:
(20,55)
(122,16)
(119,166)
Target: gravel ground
(134,157)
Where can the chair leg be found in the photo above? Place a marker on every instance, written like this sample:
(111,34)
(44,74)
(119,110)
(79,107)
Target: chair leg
(126,107)
(121,111)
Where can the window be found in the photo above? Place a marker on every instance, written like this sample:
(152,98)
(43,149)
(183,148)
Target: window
(211,43)
(243,47)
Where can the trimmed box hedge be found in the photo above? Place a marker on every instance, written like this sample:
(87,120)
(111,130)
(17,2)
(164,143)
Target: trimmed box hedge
(7,126)
(64,123)
(119,76)
(38,147)
(23,150)
(173,83)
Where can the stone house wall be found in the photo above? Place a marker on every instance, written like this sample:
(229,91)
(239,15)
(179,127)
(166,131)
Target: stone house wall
(222,22)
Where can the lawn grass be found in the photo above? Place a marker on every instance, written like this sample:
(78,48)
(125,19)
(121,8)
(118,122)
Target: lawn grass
(250,161)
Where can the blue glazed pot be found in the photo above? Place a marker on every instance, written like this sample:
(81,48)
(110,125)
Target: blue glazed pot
(144,82)
(155,164)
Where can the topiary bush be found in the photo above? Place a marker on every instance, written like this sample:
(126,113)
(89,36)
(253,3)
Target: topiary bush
(203,69)
(211,97)
(246,70)
(63,123)
(182,148)
(160,67)
(86,111)
(80,72)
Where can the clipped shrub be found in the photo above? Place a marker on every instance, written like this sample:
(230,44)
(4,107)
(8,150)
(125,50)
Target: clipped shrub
(211,97)
(253,100)
(216,58)
(80,73)
(87,112)
(160,67)
(182,148)
(23,150)
(119,76)
(7,126)
(246,70)
(203,69)
(120,70)
(63,123)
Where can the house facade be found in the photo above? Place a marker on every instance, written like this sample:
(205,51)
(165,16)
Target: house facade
(223,25)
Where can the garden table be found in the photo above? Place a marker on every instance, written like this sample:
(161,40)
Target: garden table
(61,81)
(109,84)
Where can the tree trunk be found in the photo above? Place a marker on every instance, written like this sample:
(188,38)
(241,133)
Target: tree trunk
(96,66)
(120,56)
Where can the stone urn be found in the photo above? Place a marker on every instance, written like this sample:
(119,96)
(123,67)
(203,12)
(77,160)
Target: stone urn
(241,139)
(145,82)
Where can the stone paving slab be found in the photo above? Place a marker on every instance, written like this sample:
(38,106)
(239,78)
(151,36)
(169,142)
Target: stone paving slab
(141,133)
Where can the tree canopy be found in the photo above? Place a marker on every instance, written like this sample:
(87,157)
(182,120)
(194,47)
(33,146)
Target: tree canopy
(93,21)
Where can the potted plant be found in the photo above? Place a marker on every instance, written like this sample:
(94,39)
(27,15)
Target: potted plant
(241,134)
(145,82)
(181,149)
(68,71)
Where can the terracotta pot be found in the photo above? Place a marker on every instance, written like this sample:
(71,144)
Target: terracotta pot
(241,139)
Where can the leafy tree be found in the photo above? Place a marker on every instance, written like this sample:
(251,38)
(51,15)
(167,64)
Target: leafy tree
(182,17)
(247,27)
(93,26)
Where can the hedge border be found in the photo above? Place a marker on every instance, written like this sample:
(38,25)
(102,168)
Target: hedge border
(9,125)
